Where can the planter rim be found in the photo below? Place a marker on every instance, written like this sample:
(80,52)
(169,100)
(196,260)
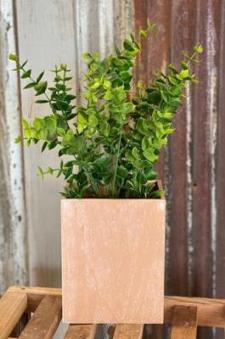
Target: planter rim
(113,199)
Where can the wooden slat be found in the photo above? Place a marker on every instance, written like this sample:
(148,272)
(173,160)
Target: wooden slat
(45,320)
(81,332)
(21,324)
(36,290)
(35,294)
(128,331)
(211,312)
(12,306)
(184,322)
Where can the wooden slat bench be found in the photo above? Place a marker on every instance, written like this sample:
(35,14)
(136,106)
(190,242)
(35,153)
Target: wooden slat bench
(183,314)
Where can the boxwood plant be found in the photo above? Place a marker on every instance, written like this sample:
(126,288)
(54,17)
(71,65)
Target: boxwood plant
(109,143)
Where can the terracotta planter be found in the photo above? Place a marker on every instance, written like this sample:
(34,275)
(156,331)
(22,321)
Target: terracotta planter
(113,260)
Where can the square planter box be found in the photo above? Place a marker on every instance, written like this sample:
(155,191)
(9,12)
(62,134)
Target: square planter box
(113,260)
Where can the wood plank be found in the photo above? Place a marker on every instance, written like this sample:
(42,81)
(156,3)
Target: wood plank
(184,322)
(123,331)
(36,290)
(21,324)
(45,320)
(211,312)
(81,332)
(35,294)
(12,306)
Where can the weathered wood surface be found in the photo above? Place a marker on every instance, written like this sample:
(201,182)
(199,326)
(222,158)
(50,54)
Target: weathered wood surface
(184,322)
(45,319)
(12,306)
(128,331)
(211,312)
(81,331)
(182,314)
(13,244)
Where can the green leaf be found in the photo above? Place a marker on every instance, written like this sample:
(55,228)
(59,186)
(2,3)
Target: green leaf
(40,172)
(26,74)
(50,170)
(82,122)
(92,120)
(135,153)
(150,155)
(106,84)
(146,143)
(30,85)
(150,174)
(13,57)
(122,172)
(40,88)
(18,140)
(44,146)
(40,76)
(87,56)
(143,34)
(41,101)
(23,64)
(95,85)
(128,45)
(198,49)
(184,74)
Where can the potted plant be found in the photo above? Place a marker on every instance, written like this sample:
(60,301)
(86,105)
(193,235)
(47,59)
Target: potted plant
(113,211)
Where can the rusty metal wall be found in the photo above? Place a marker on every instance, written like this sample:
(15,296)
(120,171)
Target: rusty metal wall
(193,166)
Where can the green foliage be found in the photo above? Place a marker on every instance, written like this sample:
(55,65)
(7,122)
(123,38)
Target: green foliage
(110,144)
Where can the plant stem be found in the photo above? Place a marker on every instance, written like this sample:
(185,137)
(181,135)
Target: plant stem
(116,164)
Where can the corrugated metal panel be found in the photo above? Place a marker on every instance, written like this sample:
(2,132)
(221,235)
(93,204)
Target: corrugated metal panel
(193,165)
(13,244)
(48,33)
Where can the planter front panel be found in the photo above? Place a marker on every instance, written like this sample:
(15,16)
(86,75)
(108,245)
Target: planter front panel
(113,260)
